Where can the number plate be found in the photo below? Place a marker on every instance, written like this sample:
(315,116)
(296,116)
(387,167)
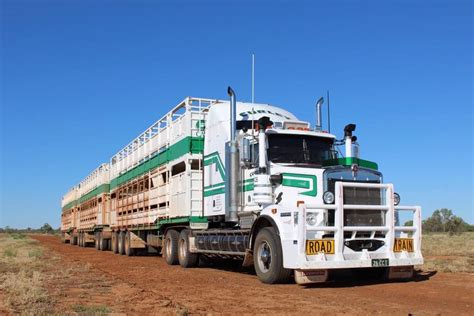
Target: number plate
(403,244)
(379,262)
(313,247)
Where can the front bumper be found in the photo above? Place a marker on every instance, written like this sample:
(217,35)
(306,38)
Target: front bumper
(294,247)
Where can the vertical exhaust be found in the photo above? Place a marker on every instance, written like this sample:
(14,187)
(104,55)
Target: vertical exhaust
(349,139)
(318,114)
(232,165)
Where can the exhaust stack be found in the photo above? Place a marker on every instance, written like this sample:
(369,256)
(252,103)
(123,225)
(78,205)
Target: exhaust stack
(318,114)
(232,165)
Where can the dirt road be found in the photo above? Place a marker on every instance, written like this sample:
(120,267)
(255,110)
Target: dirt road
(149,285)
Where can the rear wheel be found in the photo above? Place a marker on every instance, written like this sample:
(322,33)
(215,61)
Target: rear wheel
(121,248)
(170,249)
(114,242)
(103,243)
(268,257)
(186,258)
(129,251)
(97,237)
(74,240)
(80,240)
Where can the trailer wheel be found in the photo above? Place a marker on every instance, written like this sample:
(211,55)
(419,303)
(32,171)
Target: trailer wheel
(74,240)
(80,240)
(121,248)
(103,243)
(97,240)
(170,249)
(129,251)
(268,257)
(114,242)
(186,258)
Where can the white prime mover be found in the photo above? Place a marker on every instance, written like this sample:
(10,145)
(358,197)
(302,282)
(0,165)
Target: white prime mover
(243,180)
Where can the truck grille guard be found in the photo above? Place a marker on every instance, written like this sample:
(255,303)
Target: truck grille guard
(338,229)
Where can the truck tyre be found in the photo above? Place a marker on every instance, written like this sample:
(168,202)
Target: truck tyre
(186,258)
(114,242)
(121,237)
(97,240)
(80,240)
(268,257)
(128,250)
(170,249)
(103,243)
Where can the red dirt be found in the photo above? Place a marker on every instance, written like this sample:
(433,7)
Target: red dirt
(148,285)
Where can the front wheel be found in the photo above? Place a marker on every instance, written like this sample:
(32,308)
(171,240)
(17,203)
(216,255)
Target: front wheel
(268,257)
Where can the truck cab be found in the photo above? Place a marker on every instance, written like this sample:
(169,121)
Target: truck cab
(304,207)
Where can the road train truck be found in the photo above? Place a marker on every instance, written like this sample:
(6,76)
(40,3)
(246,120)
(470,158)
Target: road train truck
(225,179)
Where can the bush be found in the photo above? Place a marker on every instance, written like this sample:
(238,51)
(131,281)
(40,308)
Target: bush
(445,221)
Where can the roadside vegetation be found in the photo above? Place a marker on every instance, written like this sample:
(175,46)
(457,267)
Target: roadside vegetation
(448,242)
(445,252)
(45,229)
(21,275)
(32,280)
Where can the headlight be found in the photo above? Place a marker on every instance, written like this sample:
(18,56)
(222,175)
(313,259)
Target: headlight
(311,219)
(328,197)
(396,198)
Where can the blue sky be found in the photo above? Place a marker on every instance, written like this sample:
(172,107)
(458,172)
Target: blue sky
(79,79)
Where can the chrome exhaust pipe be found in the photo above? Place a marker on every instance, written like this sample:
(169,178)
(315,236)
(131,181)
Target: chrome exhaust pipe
(233,114)
(232,165)
(318,114)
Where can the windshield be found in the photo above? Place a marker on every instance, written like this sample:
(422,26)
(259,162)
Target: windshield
(299,149)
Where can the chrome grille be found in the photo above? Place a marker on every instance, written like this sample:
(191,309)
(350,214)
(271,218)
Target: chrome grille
(360,196)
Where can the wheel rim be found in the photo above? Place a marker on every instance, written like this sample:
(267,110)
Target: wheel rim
(127,245)
(181,248)
(264,256)
(168,248)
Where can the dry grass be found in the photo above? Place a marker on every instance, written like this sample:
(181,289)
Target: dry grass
(21,275)
(33,281)
(446,253)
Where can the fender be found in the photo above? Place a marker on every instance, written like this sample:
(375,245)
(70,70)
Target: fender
(262,221)
(282,219)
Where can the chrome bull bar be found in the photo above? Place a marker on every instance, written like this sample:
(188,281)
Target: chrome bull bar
(387,205)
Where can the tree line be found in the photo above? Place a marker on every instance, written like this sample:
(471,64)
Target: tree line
(45,229)
(444,221)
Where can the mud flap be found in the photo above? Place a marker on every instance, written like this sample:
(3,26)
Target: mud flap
(311,276)
(248,259)
(136,242)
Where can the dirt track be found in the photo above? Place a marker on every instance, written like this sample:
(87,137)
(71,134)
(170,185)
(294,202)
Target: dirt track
(149,285)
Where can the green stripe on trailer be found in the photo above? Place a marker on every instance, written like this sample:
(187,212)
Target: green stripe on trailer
(99,190)
(69,205)
(349,161)
(193,145)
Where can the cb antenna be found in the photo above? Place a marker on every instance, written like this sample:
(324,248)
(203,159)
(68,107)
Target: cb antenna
(329,115)
(253,77)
